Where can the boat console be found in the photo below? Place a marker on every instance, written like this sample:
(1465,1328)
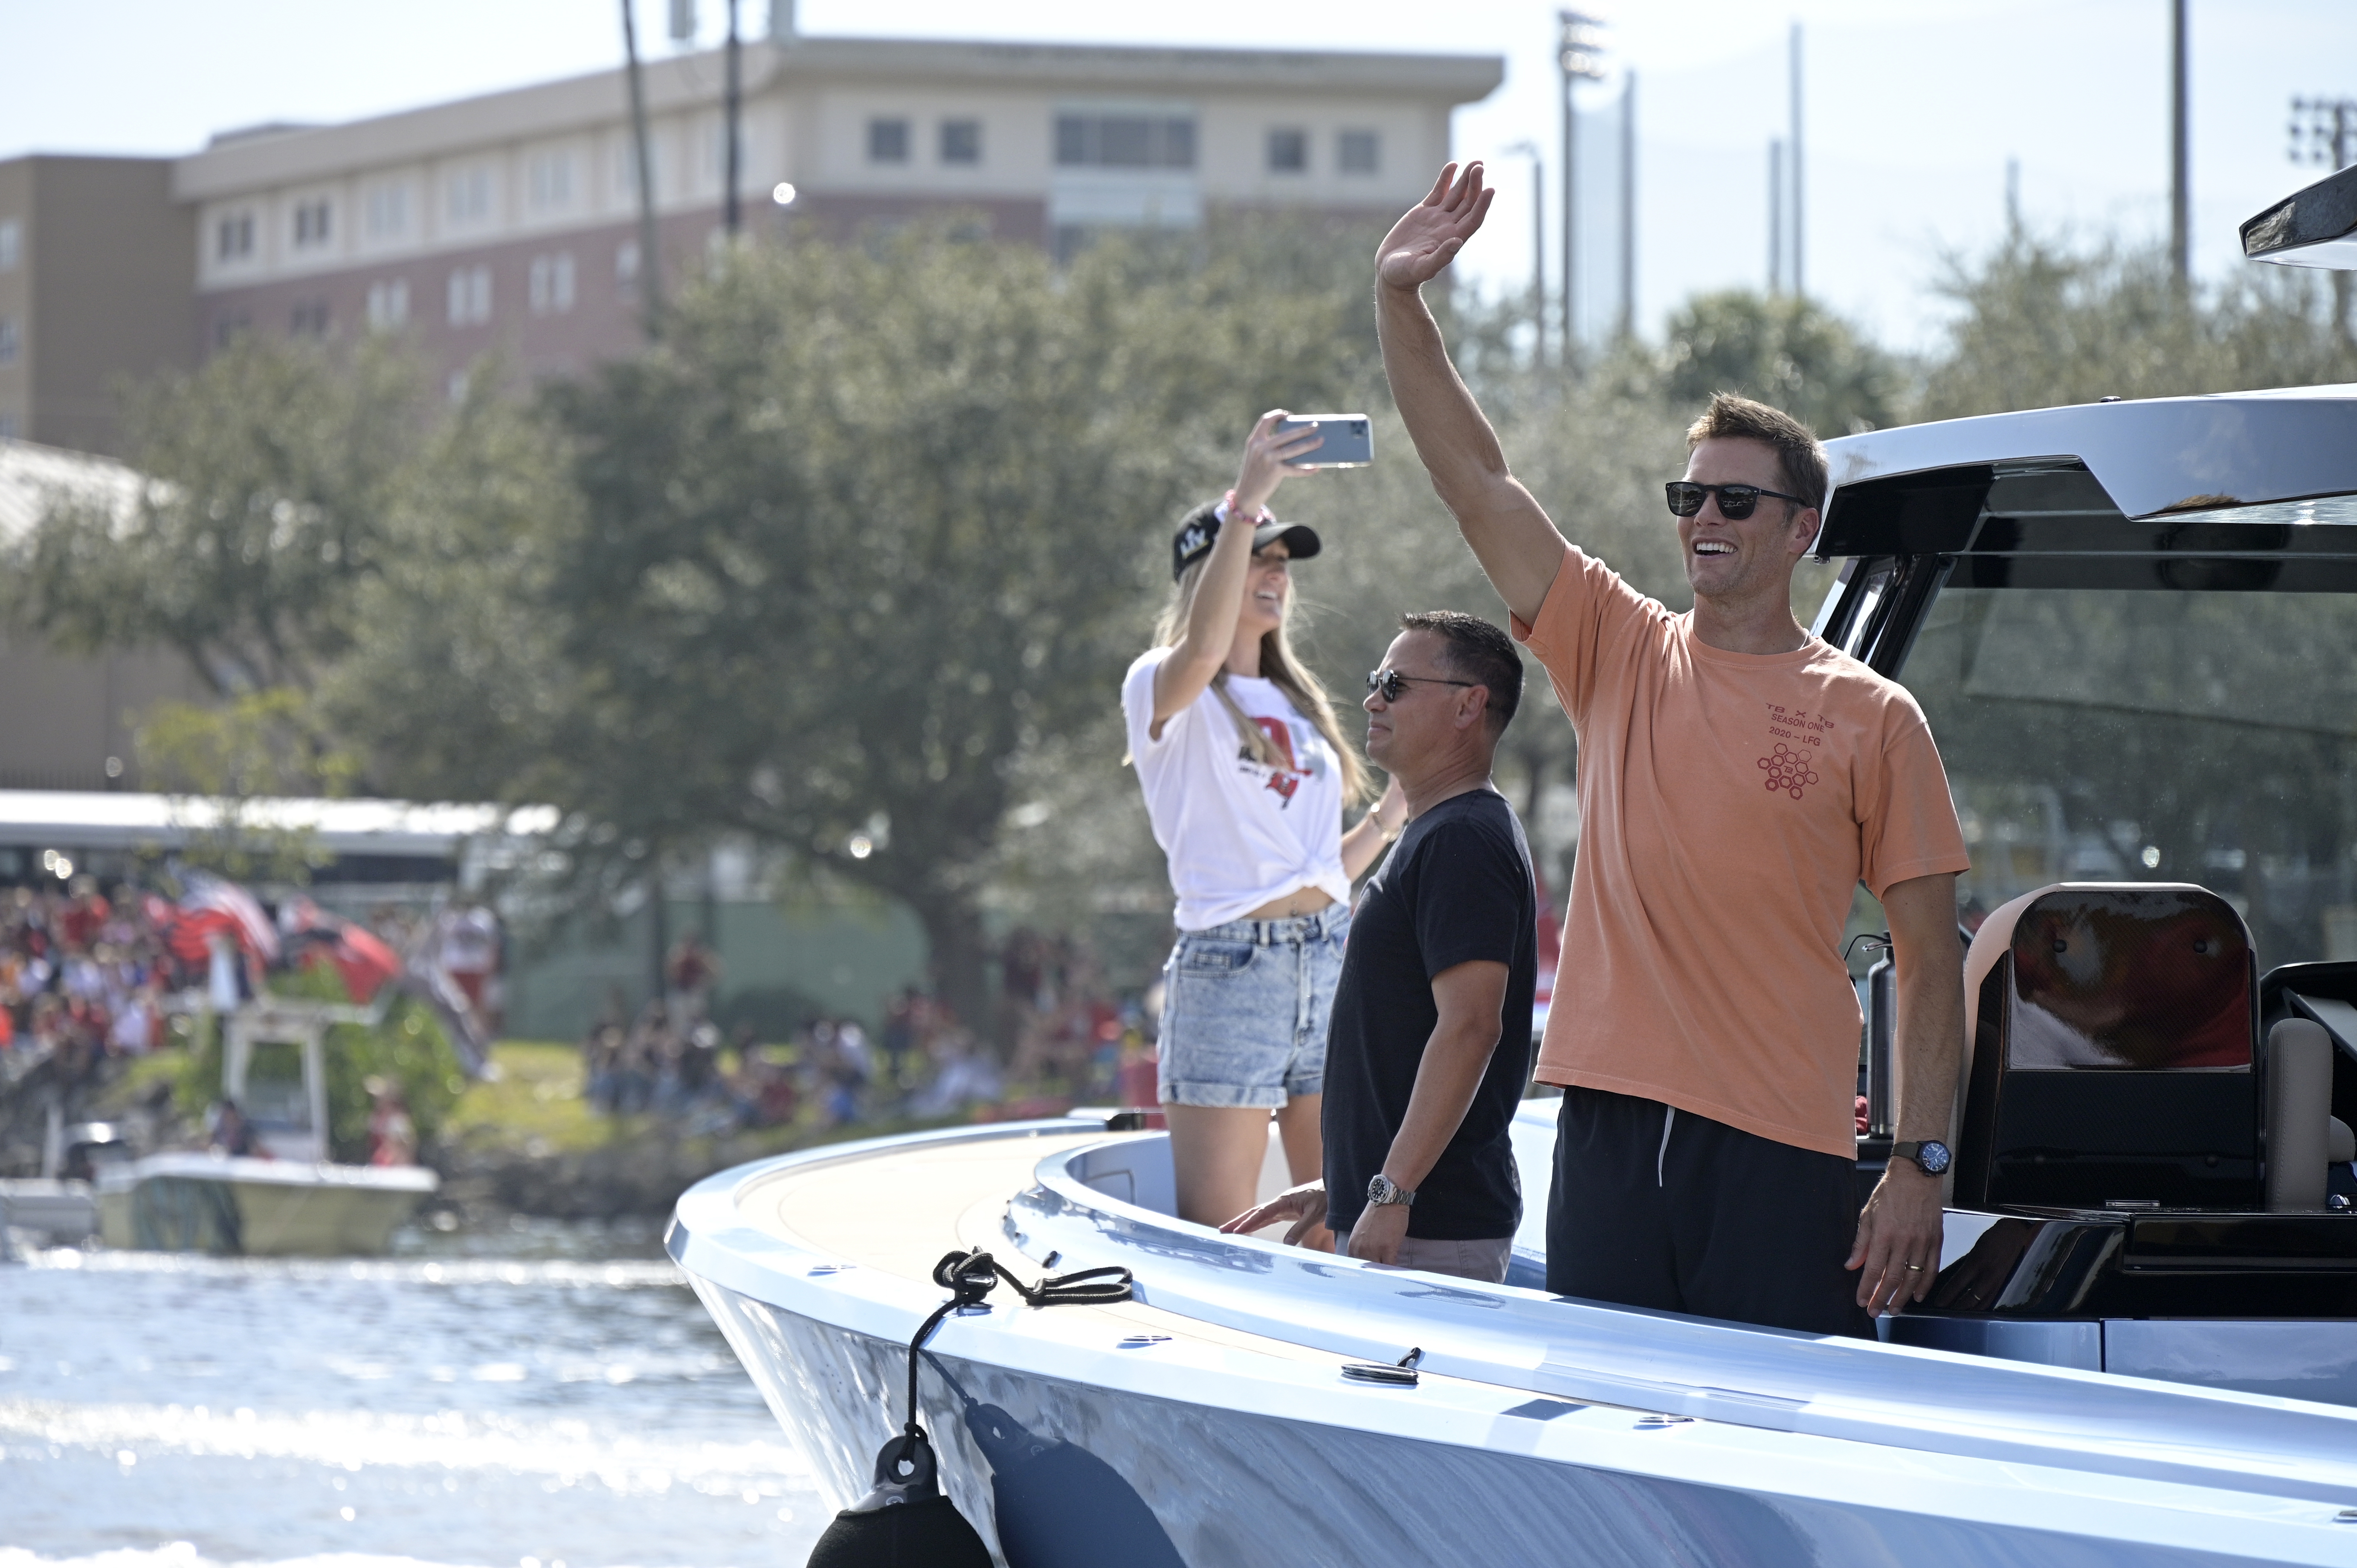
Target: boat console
(2152,1169)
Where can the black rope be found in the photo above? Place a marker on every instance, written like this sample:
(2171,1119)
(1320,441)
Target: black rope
(970,1276)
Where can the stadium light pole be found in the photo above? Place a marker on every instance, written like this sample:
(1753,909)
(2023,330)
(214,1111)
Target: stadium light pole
(2180,227)
(2324,130)
(1538,248)
(733,214)
(1629,207)
(1800,283)
(650,278)
(1579,51)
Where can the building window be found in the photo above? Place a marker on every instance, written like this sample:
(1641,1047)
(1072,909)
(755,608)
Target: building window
(388,303)
(961,141)
(550,181)
(9,428)
(625,164)
(388,210)
(235,237)
(550,287)
(626,264)
(11,340)
(1289,151)
(888,141)
(1125,141)
(12,243)
(308,318)
(1359,152)
(310,223)
(227,326)
(470,297)
(469,195)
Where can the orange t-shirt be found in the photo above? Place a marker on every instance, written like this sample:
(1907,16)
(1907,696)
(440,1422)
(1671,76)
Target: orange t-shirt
(1729,805)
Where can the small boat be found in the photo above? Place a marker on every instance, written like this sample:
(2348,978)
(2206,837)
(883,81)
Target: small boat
(292,1199)
(2129,624)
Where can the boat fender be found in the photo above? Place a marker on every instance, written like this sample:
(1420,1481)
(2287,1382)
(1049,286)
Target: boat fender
(905,1521)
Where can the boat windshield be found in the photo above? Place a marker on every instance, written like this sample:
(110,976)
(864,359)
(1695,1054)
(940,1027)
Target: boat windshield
(2103,734)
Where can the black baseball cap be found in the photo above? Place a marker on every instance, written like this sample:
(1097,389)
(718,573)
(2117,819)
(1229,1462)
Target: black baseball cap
(1193,539)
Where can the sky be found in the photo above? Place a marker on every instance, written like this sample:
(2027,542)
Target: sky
(1912,108)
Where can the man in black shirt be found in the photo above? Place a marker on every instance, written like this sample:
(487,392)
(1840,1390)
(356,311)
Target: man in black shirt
(1429,1046)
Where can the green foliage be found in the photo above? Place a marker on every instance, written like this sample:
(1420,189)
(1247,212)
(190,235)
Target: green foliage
(277,472)
(259,743)
(1782,349)
(2039,324)
(868,525)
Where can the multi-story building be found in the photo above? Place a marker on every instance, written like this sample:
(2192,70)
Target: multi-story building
(512,220)
(95,289)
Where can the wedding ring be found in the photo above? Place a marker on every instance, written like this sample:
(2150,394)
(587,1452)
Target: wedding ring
(1917,1268)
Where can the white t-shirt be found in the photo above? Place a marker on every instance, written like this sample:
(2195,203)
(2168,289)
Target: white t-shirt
(1237,834)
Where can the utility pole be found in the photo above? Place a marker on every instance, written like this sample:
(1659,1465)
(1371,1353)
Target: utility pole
(1538,249)
(649,258)
(1800,209)
(1578,57)
(733,216)
(2328,127)
(2013,198)
(2181,244)
(1629,207)
(1775,215)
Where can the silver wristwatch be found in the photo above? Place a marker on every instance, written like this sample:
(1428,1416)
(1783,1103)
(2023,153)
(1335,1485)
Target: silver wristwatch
(1381,1189)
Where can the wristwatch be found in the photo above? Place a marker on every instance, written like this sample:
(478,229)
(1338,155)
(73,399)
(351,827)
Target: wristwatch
(1383,1190)
(1931,1156)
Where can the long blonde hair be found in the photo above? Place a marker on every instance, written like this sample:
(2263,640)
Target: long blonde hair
(1282,670)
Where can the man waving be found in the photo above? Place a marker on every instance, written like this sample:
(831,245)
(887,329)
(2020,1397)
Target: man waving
(1738,779)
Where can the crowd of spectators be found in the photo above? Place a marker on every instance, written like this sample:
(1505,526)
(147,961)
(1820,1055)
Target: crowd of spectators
(82,978)
(1068,1042)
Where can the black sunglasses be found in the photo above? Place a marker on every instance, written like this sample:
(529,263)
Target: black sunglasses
(1390,682)
(1736,502)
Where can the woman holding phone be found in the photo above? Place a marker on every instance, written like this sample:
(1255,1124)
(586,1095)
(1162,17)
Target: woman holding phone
(1246,775)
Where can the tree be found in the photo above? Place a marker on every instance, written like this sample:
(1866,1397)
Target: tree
(1785,349)
(2041,324)
(868,527)
(277,471)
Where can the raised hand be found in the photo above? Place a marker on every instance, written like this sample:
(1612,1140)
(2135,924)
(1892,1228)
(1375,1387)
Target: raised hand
(1429,235)
(1269,456)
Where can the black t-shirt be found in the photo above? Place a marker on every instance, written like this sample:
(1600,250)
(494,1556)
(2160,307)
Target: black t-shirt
(1455,888)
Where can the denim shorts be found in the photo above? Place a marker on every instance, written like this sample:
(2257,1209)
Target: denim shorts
(1244,1007)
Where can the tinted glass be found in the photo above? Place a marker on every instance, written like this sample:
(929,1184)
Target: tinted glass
(2113,735)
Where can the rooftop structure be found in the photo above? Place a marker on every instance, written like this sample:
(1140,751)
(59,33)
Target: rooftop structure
(510,220)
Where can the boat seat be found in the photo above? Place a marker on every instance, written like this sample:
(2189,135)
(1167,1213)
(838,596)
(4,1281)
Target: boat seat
(2110,1032)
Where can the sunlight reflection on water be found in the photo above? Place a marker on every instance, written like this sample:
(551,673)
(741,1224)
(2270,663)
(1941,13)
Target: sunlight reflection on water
(169,1412)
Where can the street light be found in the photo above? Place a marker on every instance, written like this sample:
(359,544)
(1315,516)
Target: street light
(1579,57)
(1538,248)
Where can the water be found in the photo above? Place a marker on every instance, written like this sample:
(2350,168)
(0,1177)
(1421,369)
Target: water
(446,1407)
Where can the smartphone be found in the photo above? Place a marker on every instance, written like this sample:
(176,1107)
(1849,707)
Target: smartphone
(1348,440)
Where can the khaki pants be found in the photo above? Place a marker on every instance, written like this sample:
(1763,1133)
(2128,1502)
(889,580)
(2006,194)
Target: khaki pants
(1484,1261)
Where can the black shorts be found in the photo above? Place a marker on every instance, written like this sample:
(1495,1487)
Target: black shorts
(1668,1209)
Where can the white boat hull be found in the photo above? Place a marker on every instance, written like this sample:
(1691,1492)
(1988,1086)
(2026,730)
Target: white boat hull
(258,1207)
(1543,1431)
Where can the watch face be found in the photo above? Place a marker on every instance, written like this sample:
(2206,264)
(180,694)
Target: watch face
(1932,1156)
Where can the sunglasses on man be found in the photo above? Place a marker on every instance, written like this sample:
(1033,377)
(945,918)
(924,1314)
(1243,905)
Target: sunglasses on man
(1736,502)
(1391,682)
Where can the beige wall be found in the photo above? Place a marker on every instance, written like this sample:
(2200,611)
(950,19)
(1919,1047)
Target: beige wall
(101,292)
(62,717)
(16,297)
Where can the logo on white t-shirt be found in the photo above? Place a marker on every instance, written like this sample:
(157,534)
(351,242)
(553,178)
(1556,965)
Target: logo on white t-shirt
(1287,776)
